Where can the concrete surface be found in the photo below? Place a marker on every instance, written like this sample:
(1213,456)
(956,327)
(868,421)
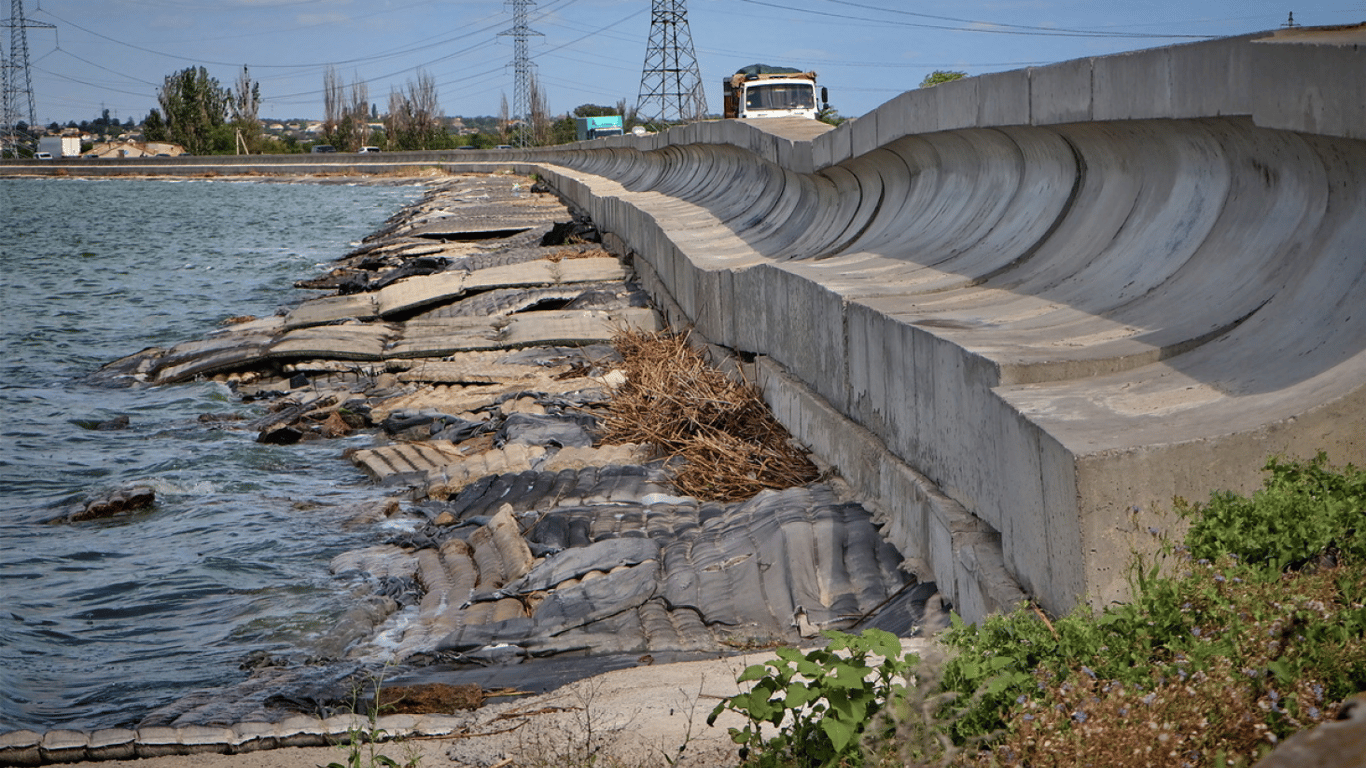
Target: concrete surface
(1051,299)
(1020,312)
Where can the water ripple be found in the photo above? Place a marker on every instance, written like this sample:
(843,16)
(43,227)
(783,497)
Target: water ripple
(107,619)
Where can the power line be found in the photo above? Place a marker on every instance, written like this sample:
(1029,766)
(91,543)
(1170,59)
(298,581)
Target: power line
(985,27)
(1003,27)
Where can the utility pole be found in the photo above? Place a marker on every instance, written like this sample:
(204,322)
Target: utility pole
(670,84)
(16,82)
(522,68)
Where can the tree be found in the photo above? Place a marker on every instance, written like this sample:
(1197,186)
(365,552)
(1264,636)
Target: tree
(196,111)
(413,120)
(562,131)
(358,116)
(153,128)
(540,112)
(629,116)
(334,107)
(941,76)
(829,115)
(594,110)
(246,106)
(346,114)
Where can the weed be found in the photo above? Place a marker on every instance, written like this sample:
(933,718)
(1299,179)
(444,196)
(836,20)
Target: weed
(362,738)
(585,741)
(675,400)
(1304,510)
(1250,630)
(819,701)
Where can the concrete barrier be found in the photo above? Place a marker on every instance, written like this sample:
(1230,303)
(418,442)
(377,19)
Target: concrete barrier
(1049,300)
(1020,312)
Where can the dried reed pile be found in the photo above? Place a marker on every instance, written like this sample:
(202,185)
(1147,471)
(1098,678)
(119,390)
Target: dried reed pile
(674,400)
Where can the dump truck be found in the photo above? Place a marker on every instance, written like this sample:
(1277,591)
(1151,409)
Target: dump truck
(760,90)
(587,128)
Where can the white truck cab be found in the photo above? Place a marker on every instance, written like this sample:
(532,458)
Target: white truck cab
(760,91)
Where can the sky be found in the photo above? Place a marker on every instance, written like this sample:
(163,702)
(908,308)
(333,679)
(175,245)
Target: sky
(114,54)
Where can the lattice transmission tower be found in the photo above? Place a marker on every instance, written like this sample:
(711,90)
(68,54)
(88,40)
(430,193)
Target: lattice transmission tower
(670,84)
(523,69)
(15,81)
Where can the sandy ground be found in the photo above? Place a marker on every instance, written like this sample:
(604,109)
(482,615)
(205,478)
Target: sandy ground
(631,718)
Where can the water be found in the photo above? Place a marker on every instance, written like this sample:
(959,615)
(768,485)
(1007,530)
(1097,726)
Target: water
(103,621)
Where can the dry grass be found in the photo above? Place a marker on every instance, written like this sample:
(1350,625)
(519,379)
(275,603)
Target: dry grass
(731,445)
(1213,702)
(571,252)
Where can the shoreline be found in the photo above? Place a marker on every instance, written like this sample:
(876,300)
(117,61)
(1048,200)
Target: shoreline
(315,318)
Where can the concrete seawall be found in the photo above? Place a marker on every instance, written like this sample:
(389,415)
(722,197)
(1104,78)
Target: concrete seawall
(1019,312)
(1062,295)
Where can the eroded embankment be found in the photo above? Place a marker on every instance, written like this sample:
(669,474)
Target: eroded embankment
(1061,326)
(517,550)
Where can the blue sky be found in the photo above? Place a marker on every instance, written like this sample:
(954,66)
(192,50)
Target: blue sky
(113,54)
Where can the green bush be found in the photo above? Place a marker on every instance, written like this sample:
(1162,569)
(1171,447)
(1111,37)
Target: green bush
(1254,628)
(1305,509)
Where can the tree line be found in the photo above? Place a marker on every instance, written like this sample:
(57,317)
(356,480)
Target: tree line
(205,117)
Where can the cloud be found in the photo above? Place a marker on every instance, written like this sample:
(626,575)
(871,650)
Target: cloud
(163,21)
(311,19)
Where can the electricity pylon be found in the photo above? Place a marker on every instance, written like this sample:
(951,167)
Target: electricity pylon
(15,81)
(522,69)
(670,84)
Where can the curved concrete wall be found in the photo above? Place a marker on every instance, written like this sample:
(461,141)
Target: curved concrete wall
(1019,312)
(1062,296)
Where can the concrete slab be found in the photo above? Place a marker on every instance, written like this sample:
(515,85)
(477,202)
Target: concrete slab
(1294,90)
(414,293)
(1061,93)
(350,341)
(330,309)
(574,327)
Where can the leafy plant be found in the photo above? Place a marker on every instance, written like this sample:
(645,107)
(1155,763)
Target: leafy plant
(820,702)
(1303,509)
(362,738)
(1253,628)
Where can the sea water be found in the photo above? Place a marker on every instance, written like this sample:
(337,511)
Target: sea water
(102,621)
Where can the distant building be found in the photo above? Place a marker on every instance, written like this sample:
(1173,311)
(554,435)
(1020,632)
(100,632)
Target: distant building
(116,149)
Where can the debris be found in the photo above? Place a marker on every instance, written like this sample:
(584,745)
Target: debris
(673,399)
(427,698)
(115,502)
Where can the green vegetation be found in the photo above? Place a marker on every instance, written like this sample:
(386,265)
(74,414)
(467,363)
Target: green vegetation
(1304,511)
(195,110)
(1251,629)
(245,106)
(819,702)
(941,76)
(362,739)
(830,115)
